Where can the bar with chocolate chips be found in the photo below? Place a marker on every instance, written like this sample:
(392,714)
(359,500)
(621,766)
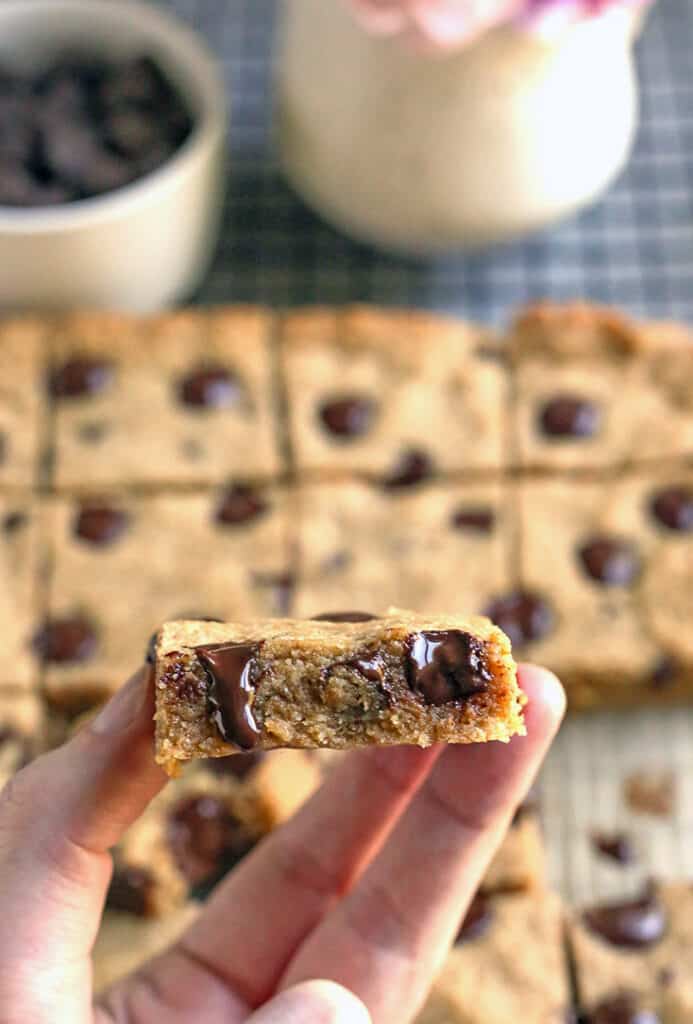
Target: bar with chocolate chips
(633,958)
(336,682)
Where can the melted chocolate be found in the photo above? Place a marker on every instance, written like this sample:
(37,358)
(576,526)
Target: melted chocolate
(230,668)
(633,925)
(444,666)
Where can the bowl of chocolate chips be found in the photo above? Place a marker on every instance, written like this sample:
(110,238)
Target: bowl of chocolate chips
(112,143)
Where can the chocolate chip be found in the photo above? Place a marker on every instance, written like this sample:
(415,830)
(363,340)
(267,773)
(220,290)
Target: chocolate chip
(65,640)
(478,520)
(617,846)
(412,467)
(524,616)
(349,416)
(622,1008)
(633,925)
(282,584)
(570,416)
(210,387)
(232,676)
(610,560)
(14,521)
(79,377)
(240,504)
(131,891)
(205,838)
(665,673)
(100,524)
(239,766)
(344,617)
(673,508)
(477,921)
(445,666)
(92,432)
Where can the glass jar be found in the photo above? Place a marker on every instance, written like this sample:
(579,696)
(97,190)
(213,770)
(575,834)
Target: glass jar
(418,152)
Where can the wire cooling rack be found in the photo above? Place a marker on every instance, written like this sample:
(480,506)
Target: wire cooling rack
(634,249)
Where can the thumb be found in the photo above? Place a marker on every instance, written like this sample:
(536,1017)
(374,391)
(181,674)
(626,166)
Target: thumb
(313,1002)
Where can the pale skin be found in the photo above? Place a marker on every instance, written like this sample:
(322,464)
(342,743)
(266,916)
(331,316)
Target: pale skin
(340,917)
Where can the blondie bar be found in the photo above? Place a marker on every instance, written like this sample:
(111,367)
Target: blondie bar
(395,679)
(180,398)
(611,561)
(123,564)
(396,394)
(507,964)
(373,546)
(22,405)
(637,955)
(597,391)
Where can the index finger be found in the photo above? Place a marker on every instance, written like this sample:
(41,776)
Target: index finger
(388,937)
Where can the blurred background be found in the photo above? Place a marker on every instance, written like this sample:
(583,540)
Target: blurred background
(633,248)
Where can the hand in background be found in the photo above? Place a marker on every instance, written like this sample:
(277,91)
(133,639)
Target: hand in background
(364,888)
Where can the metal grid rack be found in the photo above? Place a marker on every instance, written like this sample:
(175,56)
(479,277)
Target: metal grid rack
(634,249)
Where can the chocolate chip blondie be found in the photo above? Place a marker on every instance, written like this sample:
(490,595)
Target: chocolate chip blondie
(507,964)
(181,398)
(594,390)
(611,561)
(398,395)
(220,554)
(376,546)
(634,958)
(395,679)
(21,574)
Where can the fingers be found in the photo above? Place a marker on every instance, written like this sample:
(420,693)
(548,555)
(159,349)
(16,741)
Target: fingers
(263,911)
(390,934)
(58,818)
(313,1002)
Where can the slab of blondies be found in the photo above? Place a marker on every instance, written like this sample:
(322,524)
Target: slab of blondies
(395,679)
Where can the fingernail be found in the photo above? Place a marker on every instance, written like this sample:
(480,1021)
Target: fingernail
(123,708)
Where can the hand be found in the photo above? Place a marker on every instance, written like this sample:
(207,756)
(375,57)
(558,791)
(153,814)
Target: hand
(365,887)
(437,23)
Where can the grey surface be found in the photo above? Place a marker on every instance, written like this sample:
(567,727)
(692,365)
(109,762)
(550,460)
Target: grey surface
(634,248)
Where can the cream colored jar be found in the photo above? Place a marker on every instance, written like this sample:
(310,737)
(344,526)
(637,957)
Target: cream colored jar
(421,153)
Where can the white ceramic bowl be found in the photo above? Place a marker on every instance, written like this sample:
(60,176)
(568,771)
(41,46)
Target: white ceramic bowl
(149,244)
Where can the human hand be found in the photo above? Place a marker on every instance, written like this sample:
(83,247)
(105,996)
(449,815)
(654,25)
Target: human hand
(444,24)
(364,888)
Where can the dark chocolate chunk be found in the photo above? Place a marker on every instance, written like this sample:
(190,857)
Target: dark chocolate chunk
(14,521)
(477,921)
(570,416)
(231,670)
(92,432)
(211,387)
(239,766)
(633,925)
(65,640)
(617,846)
(412,467)
(79,377)
(240,504)
(612,561)
(100,524)
(673,508)
(524,616)
(445,666)
(348,416)
(477,520)
(665,673)
(344,617)
(131,890)
(371,667)
(622,1008)
(205,838)
(282,584)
